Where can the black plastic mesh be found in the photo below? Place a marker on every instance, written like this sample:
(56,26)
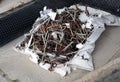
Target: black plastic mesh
(16,24)
(112,6)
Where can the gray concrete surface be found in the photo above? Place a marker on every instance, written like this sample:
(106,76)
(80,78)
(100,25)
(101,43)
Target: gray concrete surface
(6,5)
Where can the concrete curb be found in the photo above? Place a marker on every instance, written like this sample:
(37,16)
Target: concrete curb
(103,73)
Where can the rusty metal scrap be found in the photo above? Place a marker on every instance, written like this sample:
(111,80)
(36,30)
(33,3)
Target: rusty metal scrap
(58,37)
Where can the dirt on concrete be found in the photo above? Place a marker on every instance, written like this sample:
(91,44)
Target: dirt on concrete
(4,77)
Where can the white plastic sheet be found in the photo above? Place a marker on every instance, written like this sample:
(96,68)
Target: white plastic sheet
(83,58)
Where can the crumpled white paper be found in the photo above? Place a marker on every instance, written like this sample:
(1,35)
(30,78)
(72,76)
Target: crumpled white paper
(83,59)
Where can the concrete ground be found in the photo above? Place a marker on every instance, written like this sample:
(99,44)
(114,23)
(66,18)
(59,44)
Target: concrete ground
(6,5)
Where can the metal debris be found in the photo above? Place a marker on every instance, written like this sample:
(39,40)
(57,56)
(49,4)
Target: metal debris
(58,37)
(64,40)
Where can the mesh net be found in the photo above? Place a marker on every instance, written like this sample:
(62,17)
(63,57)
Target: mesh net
(17,23)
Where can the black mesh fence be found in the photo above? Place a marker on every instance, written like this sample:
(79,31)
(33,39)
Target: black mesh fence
(17,23)
(112,6)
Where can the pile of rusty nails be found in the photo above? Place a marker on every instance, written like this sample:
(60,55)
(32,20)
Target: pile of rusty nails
(58,37)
